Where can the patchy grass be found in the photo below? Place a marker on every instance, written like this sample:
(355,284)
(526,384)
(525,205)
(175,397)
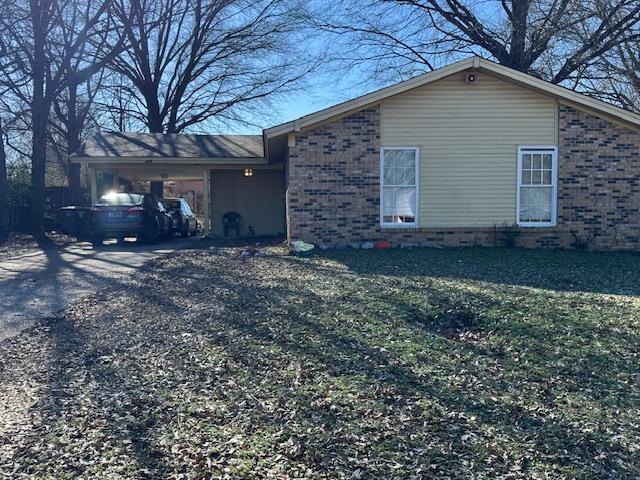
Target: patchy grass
(471,363)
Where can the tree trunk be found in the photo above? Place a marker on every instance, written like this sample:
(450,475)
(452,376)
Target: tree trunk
(154,123)
(75,187)
(4,192)
(73,144)
(39,118)
(157,188)
(38,159)
(518,52)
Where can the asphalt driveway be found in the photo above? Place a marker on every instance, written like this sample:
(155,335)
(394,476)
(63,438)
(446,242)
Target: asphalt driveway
(37,284)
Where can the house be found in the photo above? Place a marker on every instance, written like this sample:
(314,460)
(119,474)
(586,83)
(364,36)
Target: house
(467,154)
(233,170)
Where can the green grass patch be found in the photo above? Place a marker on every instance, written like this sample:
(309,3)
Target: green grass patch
(401,364)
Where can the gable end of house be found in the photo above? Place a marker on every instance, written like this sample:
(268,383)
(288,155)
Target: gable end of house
(453,162)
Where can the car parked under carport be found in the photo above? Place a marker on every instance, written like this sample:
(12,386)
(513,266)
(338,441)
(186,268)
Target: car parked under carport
(238,173)
(183,220)
(120,214)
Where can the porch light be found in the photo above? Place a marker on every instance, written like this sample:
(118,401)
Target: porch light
(248,172)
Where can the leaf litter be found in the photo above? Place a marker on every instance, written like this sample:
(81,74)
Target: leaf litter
(461,363)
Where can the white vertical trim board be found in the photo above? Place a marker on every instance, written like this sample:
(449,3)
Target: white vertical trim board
(539,149)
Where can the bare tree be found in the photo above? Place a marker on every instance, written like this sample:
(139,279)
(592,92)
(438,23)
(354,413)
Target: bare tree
(39,39)
(620,76)
(202,61)
(557,40)
(73,108)
(192,61)
(4,190)
(73,119)
(114,104)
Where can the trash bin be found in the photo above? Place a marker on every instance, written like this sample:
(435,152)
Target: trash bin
(83,222)
(75,221)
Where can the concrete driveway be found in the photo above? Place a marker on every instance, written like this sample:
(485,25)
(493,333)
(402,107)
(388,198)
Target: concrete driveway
(38,284)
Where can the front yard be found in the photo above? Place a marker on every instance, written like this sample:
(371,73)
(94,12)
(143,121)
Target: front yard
(403,364)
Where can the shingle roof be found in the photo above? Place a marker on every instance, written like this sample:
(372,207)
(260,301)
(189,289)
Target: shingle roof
(159,145)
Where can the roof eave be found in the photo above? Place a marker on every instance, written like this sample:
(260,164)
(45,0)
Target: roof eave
(527,81)
(165,160)
(561,93)
(369,98)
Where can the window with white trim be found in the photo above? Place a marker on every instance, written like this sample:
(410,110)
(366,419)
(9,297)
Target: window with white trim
(537,186)
(399,186)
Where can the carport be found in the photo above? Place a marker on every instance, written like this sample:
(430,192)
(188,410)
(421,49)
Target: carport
(235,172)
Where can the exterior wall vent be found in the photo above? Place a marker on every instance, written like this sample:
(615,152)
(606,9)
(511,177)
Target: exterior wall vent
(471,77)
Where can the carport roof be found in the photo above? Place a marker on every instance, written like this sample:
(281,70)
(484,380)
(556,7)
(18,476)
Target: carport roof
(170,146)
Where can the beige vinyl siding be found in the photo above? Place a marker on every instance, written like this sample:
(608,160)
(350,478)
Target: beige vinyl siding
(468,135)
(259,199)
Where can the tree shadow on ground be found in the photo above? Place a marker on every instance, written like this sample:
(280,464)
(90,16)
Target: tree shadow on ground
(84,393)
(302,333)
(559,270)
(250,367)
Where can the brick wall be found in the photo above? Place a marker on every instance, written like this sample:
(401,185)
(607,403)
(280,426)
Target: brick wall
(333,188)
(598,181)
(333,181)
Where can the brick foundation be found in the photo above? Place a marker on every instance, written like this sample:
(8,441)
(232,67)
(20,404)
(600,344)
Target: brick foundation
(333,190)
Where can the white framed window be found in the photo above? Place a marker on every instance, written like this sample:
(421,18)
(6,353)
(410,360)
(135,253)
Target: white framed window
(399,186)
(537,186)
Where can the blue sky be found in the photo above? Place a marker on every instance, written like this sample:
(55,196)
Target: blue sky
(320,94)
(304,103)
(324,89)
(337,83)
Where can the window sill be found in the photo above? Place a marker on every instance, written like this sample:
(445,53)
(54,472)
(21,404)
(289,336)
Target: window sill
(478,229)
(537,225)
(398,226)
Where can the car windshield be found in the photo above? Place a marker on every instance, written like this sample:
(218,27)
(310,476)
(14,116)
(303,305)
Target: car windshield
(115,198)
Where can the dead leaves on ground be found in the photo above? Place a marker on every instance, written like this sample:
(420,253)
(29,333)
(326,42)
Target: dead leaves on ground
(352,365)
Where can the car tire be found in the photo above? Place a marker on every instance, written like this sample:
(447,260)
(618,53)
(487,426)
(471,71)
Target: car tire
(195,231)
(185,231)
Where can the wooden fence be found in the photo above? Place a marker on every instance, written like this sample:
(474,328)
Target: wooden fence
(19,219)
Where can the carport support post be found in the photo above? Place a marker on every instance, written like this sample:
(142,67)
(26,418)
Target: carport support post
(93,181)
(115,181)
(157,188)
(206,187)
